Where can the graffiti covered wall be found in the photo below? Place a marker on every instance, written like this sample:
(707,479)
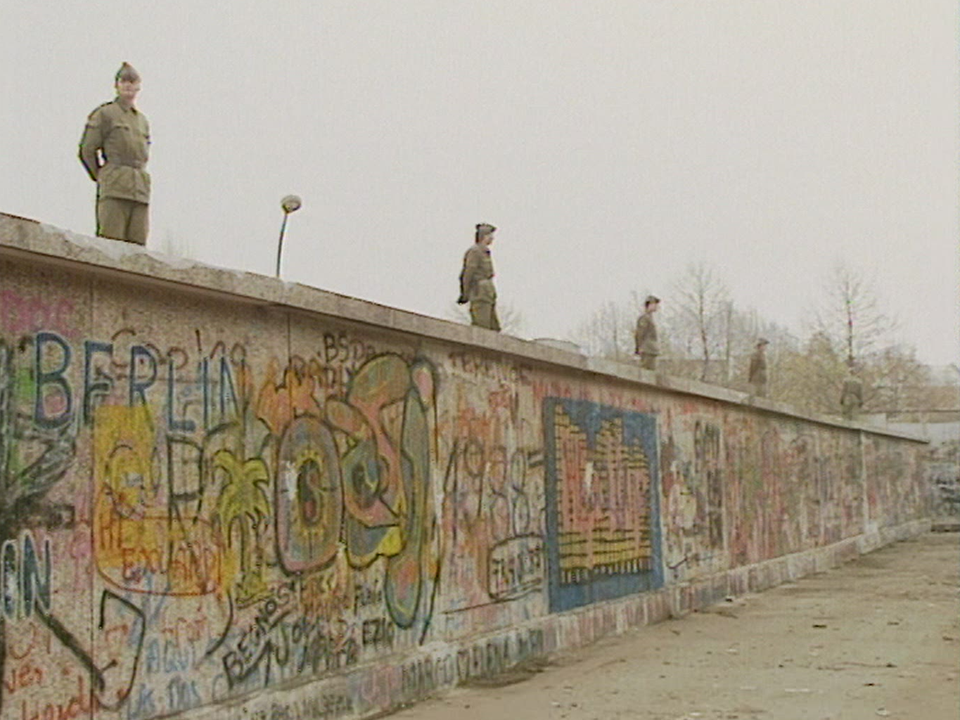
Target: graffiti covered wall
(205,500)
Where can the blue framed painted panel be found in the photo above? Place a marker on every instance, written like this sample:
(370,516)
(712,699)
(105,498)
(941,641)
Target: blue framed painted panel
(602,497)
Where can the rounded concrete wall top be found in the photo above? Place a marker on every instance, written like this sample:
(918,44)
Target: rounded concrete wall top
(560,344)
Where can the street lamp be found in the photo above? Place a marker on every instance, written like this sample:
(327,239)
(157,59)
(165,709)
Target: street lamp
(290,203)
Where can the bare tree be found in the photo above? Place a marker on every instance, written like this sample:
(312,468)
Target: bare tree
(812,376)
(850,334)
(740,331)
(608,332)
(696,313)
(898,382)
(850,315)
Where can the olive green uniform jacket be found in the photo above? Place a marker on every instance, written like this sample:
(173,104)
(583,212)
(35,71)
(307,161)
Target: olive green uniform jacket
(645,341)
(476,286)
(757,374)
(645,336)
(851,396)
(114,150)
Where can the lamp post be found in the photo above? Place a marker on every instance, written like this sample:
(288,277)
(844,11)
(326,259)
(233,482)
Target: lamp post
(290,203)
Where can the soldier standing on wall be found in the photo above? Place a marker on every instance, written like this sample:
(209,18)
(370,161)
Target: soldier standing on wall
(645,336)
(476,280)
(757,373)
(851,396)
(114,151)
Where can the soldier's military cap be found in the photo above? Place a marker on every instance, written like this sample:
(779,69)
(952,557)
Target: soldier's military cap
(484,229)
(762,341)
(127,72)
(651,299)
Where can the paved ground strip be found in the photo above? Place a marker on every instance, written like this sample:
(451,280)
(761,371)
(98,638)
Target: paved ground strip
(876,637)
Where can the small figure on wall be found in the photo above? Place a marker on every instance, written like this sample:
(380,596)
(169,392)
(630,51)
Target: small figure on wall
(757,373)
(851,395)
(476,280)
(645,337)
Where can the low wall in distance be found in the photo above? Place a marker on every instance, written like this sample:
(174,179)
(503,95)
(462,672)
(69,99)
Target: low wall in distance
(228,496)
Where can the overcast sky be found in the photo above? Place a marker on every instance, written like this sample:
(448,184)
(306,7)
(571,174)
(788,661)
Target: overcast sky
(613,142)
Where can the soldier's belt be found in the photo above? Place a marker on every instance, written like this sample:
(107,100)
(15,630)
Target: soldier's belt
(127,163)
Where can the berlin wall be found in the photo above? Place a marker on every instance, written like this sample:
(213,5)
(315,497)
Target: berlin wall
(230,497)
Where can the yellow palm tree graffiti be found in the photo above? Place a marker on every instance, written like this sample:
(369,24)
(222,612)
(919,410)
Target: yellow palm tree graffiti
(244,504)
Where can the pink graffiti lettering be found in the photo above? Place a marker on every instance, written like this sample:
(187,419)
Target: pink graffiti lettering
(21,314)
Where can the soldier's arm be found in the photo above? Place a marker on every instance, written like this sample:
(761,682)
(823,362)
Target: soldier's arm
(463,288)
(471,263)
(639,335)
(146,133)
(90,143)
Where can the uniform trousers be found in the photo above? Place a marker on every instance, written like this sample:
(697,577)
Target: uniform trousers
(484,314)
(121,219)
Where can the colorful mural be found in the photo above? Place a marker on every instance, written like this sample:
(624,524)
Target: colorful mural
(603,521)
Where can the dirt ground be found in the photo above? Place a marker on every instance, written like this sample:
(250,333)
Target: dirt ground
(877,637)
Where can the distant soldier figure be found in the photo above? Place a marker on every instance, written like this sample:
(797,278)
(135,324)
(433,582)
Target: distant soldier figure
(757,374)
(851,396)
(476,280)
(645,336)
(114,150)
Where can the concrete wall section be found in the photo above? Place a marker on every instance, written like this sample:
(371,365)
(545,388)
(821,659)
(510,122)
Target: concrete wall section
(217,501)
